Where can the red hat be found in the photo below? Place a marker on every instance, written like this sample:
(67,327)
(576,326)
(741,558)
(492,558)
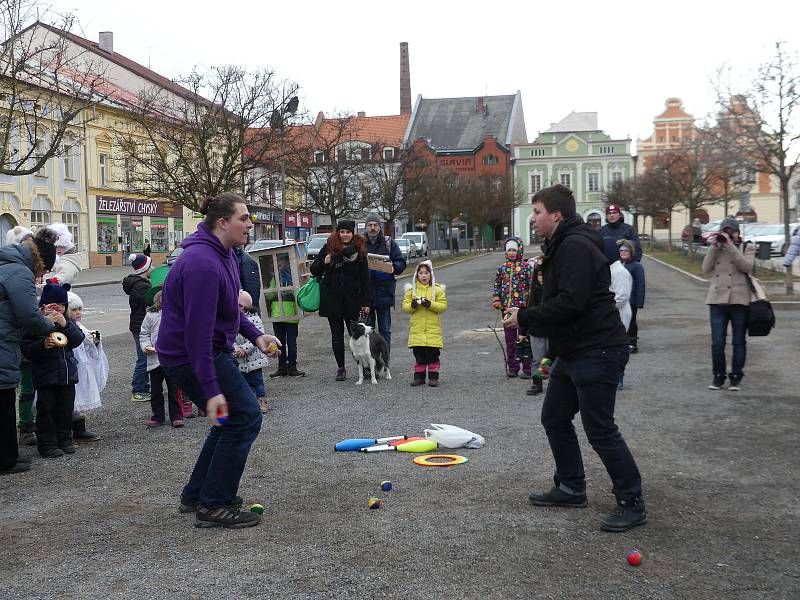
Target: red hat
(613,208)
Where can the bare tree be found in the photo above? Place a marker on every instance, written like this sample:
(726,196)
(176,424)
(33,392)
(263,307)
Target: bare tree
(489,201)
(392,187)
(765,123)
(653,198)
(46,82)
(205,135)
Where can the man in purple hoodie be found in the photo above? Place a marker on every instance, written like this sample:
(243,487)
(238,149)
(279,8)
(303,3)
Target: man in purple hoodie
(200,318)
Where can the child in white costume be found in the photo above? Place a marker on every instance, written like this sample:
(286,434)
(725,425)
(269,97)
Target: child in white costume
(92,373)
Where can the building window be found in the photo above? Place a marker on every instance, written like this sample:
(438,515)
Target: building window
(536,182)
(69,159)
(341,155)
(37,155)
(744,202)
(606,149)
(616,178)
(537,152)
(565,179)
(71,217)
(128,184)
(388,154)
(594,182)
(320,156)
(103,170)
(158,234)
(490,159)
(673,138)
(178,226)
(661,139)
(365,154)
(39,218)
(107,234)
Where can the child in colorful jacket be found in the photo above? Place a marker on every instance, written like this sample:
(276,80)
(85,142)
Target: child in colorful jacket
(425,300)
(512,286)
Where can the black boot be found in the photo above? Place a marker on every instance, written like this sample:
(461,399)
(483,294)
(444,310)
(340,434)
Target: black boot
(628,514)
(433,378)
(80,433)
(536,386)
(27,434)
(419,378)
(281,372)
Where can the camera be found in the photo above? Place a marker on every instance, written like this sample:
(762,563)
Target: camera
(96,335)
(720,240)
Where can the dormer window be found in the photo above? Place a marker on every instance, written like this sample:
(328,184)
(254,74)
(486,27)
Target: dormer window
(388,154)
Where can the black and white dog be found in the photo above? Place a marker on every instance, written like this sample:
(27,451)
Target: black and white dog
(370,350)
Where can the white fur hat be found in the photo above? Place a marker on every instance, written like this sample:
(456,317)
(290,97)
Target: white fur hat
(17,234)
(429,264)
(64,236)
(74,301)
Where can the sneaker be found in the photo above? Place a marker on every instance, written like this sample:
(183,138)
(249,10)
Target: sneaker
(295,372)
(281,372)
(536,387)
(177,423)
(140,397)
(735,382)
(558,497)
(263,405)
(190,507)
(225,516)
(152,423)
(68,447)
(51,453)
(341,374)
(19,467)
(627,515)
(718,382)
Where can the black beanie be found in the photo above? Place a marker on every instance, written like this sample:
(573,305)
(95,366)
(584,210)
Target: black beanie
(348,224)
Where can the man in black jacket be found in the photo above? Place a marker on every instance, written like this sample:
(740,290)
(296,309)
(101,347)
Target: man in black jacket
(617,228)
(590,347)
(249,276)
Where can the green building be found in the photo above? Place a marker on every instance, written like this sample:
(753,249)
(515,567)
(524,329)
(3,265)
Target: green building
(575,153)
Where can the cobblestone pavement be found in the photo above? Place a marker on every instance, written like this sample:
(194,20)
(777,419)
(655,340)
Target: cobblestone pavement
(720,474)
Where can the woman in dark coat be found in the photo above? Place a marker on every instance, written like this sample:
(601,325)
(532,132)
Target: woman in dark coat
(345,290)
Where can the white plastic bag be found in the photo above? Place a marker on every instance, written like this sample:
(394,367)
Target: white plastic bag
(451,436)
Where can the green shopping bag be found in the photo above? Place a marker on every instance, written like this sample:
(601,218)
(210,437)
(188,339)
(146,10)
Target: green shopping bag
(308,296)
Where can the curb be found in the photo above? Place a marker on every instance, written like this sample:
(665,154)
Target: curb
(691,276)
(455,262)
(93,283)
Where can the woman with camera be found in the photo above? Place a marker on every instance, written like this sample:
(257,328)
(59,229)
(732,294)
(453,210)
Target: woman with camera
(728,261)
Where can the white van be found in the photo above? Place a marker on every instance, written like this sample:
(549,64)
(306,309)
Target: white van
(420,238)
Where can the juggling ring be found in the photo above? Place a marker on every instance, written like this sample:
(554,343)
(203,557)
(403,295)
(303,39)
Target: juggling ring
(454,459)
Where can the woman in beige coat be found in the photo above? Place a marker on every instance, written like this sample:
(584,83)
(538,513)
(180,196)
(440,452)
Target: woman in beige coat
(728,298)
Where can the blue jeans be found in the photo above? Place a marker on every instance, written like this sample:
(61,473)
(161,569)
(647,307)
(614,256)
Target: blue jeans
(384,323)
(721,315)
(140,381)
(216,475)
(287,334)
(588,383)
(255,379)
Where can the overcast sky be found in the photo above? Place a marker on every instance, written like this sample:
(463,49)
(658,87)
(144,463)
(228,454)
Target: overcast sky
(621,59)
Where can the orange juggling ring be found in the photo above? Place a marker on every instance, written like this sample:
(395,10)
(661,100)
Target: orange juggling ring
(451,459)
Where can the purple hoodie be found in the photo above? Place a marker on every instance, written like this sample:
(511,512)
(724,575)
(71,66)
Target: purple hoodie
(200,313)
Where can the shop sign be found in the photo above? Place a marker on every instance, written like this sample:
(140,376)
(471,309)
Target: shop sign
(291,219)
(126,206)
(304,219)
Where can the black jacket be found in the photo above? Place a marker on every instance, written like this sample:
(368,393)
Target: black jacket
(577,312)
(345,286)
(136,287)
(622,231)
(56,366)
(249,277)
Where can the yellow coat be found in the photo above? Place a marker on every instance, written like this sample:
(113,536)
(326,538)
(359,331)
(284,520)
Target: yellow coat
(426,327)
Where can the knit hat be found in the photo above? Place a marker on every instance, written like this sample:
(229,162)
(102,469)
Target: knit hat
(613,208)
(729,223)
(17,234)
(45,240)
(74,301)
(515,243)
(429,264)
(373,218)
(54,294)
(347,224)
(140,263)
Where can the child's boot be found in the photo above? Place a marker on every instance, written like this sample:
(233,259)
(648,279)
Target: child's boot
(80,433)
(536,386)
(419,375)
(433,375)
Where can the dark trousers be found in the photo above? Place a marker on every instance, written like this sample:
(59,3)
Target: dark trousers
(425,355)
(255,379)
(633,328)
(157,379)
(721,315)
(588,383)
(287,334)
(384,319)
(218,470)
(338,326)
(139,382)
(9,451)
(54,406)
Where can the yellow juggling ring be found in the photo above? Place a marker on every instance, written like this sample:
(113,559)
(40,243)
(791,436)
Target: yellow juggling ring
(431,460)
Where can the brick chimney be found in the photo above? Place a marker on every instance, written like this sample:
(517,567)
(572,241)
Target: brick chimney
(107,41)
(405,80)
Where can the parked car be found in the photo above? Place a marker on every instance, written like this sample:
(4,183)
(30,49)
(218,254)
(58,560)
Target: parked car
(262,244)
(408,248)
(173,256)
(420,239)
(708,231)
(775,235)
(315,245)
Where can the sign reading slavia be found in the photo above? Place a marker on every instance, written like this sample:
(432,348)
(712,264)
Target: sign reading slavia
(126,206)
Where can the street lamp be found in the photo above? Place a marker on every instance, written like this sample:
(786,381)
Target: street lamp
(278,121)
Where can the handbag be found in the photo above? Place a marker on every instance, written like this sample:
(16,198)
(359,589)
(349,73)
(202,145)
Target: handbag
(308,296)
(760,317)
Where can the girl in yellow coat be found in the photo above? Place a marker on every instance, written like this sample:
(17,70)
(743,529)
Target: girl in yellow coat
(425,300)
